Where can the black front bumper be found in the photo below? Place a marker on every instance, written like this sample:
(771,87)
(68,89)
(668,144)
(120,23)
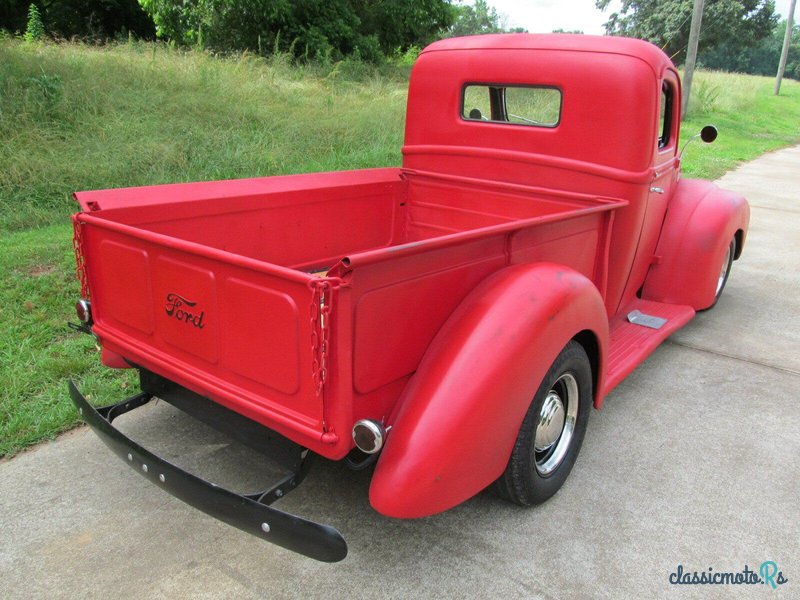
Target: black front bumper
(250,513)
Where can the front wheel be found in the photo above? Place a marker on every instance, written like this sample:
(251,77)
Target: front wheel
(552,431)
(725,270)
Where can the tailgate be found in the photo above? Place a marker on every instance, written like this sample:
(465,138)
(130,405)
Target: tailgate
(240,331)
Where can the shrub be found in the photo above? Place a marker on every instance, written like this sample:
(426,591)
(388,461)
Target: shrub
(35,29)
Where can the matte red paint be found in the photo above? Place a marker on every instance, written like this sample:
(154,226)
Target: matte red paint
(458,418)
(454,280)
(701,222)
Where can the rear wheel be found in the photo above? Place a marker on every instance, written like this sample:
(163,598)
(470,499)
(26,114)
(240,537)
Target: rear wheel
(552,431)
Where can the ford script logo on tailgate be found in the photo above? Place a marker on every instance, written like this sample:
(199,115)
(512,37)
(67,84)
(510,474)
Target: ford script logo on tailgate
(177,309)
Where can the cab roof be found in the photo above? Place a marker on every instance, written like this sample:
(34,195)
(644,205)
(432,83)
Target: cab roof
(641,49)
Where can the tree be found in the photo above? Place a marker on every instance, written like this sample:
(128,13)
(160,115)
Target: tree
(97,19)
(309,28)
(760,60)
(13,15)
(35,29)
(743,23)
(475,19)
(404,23)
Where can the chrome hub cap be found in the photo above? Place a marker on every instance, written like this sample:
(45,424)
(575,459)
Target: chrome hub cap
(551,422)
(556,424)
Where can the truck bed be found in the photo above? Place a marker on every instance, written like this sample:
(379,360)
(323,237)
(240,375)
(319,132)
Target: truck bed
(306,302)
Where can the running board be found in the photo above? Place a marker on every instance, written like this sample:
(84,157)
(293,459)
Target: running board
(634,336)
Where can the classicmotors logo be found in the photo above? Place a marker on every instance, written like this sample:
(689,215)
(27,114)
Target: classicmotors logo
(767,574)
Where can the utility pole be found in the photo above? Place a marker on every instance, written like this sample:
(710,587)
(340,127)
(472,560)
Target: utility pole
(785,52)
(691,54)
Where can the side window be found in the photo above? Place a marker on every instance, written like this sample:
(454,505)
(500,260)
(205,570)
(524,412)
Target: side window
(667,106)
(516,105)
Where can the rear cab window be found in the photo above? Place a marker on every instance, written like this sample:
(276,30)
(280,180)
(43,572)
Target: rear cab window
(535,106)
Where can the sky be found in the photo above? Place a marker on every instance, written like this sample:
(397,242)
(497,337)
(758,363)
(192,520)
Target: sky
(543,16)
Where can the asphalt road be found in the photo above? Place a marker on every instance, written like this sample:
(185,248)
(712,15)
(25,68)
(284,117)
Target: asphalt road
(693,461)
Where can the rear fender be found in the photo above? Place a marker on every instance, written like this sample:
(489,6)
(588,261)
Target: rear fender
(457,421)
(700,223)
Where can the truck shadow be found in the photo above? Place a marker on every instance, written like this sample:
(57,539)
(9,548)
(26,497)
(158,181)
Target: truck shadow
(332,494)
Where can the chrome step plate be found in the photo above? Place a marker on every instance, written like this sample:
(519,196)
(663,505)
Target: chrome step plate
(639,318)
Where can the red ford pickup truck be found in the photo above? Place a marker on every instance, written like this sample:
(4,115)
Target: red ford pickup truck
(452,320)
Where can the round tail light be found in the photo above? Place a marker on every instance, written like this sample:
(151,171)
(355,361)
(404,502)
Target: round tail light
(84,310)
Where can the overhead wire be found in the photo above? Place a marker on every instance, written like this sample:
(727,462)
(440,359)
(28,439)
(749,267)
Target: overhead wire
(703,27)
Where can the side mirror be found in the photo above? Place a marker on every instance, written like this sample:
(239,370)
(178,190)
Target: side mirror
(708,134)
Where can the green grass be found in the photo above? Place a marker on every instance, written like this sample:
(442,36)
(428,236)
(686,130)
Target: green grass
(750,119)
(76,117)
(37,351)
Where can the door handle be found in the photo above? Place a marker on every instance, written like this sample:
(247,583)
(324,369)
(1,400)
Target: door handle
(657,190)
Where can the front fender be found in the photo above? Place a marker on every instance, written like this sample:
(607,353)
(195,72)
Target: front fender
(700,223)
(458,418)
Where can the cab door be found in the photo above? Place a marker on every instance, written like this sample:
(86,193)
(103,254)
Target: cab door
(662,185)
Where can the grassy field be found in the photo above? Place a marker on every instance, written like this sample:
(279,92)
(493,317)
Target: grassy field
(75,117)
(750,119)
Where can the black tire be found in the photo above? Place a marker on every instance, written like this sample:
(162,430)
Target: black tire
(727,264)
(526,480)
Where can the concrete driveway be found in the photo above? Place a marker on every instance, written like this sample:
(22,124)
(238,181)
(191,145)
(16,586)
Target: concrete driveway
(693,461)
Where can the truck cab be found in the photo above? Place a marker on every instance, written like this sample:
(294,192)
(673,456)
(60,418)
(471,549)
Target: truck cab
(611,126)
